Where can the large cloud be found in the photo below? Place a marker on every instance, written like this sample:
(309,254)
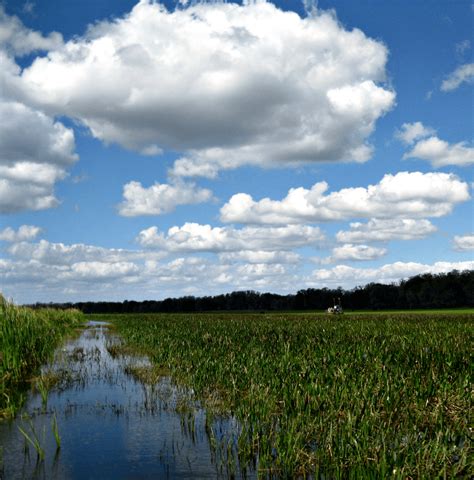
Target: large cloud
(413,194)
(16,39)
(35,150)
(193,237)
(193,80)
(384,230)
(160,198)
(31,164)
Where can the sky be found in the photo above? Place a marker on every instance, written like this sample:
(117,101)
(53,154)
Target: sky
(152,150)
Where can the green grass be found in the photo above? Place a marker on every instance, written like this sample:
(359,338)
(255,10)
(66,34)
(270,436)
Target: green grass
(341,396)
(27,338)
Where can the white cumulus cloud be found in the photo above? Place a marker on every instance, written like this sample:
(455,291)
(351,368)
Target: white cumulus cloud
(31,164)
(193,80)
(410,132)
(160,198)
(427,146)
(35,149)
(91,271)
(193,237)
(413,194)
(24,232)
(16,39)
(384,230)
(464,243)
(440,153)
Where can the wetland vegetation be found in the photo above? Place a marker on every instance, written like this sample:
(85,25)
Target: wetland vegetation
(371,396)
(112,414)
(27,339)
(275,395)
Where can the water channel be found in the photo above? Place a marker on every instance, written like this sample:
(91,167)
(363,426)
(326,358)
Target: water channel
(112,425)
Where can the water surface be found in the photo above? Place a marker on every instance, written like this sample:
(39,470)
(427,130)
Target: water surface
(113,426)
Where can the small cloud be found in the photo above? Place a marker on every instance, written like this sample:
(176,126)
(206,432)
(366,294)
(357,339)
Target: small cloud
(29,7)
(160,198)
(384,230)
(427,146)
(464,243)
(462,74)
(25,232)
(151,150)
(410,132)
(440,153)
(462,47)
(79,178)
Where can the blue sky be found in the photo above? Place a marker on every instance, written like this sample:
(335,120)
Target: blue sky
(151,150)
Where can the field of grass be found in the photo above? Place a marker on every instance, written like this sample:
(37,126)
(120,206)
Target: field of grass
(336,396)
(27,338)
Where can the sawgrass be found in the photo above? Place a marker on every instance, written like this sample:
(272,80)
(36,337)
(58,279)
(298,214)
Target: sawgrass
(341,397)
(27,338)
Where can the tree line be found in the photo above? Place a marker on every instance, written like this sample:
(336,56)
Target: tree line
(445,290)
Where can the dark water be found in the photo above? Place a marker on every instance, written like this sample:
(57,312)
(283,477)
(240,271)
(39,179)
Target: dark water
(113,426)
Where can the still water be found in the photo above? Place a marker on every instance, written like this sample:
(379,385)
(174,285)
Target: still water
(113,426)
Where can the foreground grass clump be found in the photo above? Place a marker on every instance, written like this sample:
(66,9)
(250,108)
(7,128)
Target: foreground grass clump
(27,338)
(375,396)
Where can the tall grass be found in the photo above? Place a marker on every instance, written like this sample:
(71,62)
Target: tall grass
(27,338)
(351,397)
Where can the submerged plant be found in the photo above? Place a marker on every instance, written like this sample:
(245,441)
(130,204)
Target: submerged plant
(54,427)
(33,439)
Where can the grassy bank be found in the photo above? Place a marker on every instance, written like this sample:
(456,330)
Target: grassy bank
(377,395)
(27,338)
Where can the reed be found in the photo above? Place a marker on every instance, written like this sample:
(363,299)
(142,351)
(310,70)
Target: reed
(27,339)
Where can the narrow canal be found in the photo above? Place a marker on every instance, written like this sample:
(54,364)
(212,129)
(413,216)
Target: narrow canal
(109,424)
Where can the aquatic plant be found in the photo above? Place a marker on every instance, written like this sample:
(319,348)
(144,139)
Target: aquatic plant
(27,338)
(364,395)
(55,429)
(34,439)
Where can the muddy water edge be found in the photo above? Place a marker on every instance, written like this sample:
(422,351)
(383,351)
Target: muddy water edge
(98,413)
